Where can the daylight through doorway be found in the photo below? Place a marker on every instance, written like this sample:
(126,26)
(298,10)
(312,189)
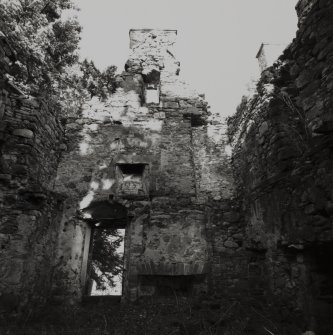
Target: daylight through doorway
(106,262)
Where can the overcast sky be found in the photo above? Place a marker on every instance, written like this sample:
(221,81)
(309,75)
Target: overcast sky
(217,39)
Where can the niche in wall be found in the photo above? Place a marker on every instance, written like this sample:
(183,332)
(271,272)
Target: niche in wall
(132,180)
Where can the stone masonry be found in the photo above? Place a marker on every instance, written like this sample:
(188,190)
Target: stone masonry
(151,159)
(155,123)
(282,159)
(30,145)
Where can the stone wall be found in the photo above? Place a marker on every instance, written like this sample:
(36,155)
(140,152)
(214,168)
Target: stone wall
(155,122)
(282,161)
(54,178)
(30,137)
(153,160)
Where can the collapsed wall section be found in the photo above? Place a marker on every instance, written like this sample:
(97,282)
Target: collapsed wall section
(282,161)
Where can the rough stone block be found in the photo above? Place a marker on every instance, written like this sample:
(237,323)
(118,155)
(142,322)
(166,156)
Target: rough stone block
(263,128)
(170,104)
(231,217)
(26,133)
(230,244)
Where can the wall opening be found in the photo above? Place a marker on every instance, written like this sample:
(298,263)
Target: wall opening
(132,169)
(152,87)
(103,261)
(106,262)
(132,180)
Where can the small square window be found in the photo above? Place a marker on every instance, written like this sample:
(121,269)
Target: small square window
(132,180)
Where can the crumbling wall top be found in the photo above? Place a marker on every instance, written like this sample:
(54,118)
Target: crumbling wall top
(152,51)
(163,36)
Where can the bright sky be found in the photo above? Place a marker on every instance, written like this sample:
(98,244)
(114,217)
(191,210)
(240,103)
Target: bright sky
(217,39)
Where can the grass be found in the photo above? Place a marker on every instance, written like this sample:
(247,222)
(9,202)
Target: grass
(168,316)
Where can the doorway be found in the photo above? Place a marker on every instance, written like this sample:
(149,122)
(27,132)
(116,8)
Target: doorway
(106,262)
(103,257)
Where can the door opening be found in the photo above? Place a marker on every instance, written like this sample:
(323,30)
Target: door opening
(103,260)
(106,262)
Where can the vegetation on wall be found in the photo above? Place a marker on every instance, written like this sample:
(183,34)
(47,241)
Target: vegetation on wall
(45,37)
(45,43)
(97,83)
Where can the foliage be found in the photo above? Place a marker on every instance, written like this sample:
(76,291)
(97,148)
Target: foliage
(106,261)
(46,47)
(82,82)
(97,83)
(45,43)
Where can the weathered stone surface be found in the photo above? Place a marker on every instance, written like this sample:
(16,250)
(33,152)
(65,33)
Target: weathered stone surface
(29,156)
(27,133)
(180,166)
(153,159)
(284,177)
(230,244)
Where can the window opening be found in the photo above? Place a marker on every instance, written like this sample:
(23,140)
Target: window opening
(132,169)
(132,180)
(152,87)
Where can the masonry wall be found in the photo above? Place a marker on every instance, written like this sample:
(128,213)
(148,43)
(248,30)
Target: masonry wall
(282,161)
(259,229)
(154,118)
(30,136)
(53,176)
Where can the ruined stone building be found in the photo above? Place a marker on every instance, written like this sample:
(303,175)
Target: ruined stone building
(153,160)
(145,161)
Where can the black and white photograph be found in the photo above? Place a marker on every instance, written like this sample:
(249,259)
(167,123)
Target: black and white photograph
(166,167)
